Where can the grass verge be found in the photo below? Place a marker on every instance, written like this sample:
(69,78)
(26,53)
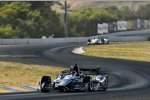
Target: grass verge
(18,74)
(139,51)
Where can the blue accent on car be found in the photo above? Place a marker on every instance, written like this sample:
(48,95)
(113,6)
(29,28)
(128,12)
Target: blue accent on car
(29,88)
(101,78)
(11,89)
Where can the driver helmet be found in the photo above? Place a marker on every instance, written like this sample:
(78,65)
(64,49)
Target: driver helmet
(98,70)
(75,64)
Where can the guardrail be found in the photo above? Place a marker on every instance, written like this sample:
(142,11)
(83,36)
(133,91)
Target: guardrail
(80,40)
(128,39)
(128,36)
(46,41)
(115,37)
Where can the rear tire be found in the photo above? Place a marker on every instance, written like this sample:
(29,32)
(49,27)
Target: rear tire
(106,85)
(46,79)
(103,42)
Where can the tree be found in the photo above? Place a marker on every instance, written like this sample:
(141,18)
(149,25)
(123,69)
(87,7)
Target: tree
(84,22)
(29,20)
(143,12)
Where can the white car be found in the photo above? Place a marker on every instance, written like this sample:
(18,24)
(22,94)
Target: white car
(99,40)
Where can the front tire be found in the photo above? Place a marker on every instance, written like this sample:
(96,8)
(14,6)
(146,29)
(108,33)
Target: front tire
(44,91)
(47,81)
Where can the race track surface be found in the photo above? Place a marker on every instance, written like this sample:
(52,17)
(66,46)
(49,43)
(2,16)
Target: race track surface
(128,80)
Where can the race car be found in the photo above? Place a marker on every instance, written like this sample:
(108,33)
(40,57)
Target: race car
(88,80)
(98,40)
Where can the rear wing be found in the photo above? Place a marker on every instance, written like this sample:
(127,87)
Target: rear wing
(86,71)
(103,73)
(93,71)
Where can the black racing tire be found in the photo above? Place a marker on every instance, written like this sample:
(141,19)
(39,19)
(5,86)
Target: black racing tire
(106,85)
(108,42)
(103,42)
(44,91)
(87,80)
(47,80)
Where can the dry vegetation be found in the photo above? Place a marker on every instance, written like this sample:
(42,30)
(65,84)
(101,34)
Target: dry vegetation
(139,51)
(18,74)
(78,4)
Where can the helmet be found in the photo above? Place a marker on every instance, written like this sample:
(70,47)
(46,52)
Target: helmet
(98,67)
(76,64)
(98,70)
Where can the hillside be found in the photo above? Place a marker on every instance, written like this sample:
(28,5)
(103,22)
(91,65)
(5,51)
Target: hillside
(78,4)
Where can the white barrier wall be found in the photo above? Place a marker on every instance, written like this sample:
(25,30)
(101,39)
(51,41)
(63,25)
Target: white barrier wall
(22,41)
(80,40)
(8,41)
(128,39)
(46,41)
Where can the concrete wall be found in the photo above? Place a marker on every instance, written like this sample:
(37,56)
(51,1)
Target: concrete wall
(47,41)
(128,39)
(80,40)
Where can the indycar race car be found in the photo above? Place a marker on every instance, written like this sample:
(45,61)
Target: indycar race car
(87,80)
(99,40)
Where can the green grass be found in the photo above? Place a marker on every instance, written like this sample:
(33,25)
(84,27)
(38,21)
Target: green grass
(18,74)
(139,51)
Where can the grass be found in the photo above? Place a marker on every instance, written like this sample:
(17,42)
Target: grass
(139,51)
(18,74)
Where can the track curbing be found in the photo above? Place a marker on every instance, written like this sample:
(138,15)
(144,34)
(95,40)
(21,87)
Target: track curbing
(18,89)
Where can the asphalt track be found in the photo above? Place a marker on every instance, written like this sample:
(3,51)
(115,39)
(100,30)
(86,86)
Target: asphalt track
(128,80)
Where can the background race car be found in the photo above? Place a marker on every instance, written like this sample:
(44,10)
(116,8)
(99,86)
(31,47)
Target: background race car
(98,40)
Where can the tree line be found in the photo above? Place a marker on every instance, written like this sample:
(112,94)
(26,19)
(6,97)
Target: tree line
(30,19)
(84,22)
